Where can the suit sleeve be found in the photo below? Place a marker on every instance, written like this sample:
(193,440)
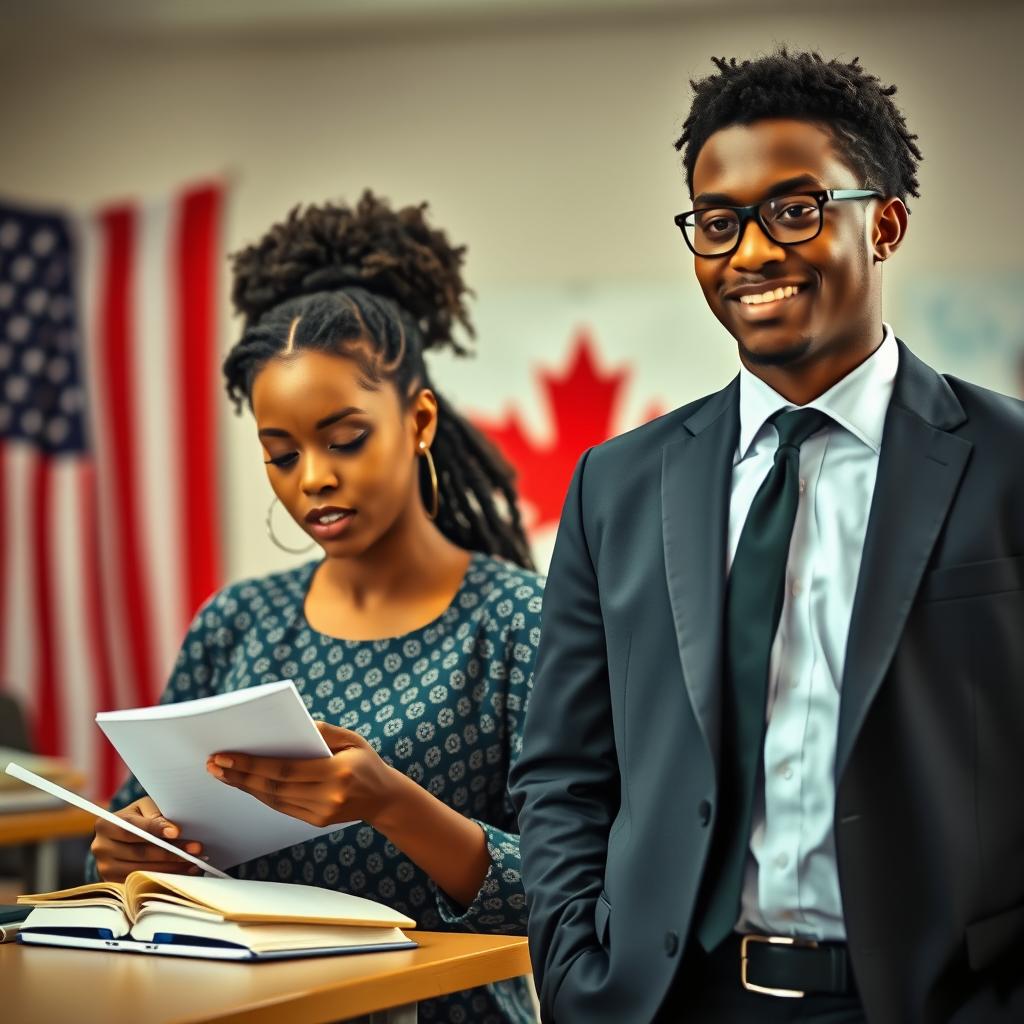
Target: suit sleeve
(565,784)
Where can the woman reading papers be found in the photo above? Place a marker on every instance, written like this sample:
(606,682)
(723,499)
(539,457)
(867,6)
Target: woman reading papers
(412,636)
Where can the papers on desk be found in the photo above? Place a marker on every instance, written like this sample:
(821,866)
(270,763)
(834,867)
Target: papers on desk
(166,748)
(11,918)
(23,801)
(16,796)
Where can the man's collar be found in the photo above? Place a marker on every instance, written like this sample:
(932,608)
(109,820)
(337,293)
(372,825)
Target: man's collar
(858,402)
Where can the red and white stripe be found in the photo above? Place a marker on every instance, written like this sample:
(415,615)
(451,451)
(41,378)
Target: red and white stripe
(104,559)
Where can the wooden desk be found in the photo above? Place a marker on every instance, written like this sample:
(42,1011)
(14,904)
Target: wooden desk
(42,829)
(41,985)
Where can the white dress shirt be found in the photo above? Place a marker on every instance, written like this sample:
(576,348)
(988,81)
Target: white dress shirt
(791,885)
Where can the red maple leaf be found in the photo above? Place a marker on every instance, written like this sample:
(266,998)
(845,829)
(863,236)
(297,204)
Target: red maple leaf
(583,404)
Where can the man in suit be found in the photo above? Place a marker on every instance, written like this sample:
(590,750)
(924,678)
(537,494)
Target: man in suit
(780,692)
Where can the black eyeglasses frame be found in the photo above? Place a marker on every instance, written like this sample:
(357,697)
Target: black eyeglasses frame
(750,213)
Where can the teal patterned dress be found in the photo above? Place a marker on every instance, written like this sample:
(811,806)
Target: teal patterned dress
(445,704)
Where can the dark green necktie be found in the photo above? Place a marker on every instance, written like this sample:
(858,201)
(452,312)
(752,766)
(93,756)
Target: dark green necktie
(754,598)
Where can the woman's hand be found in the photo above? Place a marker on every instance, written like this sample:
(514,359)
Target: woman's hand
(353,784)
(118,852)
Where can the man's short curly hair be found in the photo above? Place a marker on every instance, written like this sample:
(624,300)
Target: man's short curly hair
(869,130)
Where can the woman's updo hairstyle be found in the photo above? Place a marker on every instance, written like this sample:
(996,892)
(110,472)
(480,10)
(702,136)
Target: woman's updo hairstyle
(379,286)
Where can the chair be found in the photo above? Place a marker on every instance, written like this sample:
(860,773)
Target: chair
(13,734)
(13,727)
(21,861)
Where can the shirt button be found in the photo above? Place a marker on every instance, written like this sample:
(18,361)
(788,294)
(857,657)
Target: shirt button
(704,813)
(782,861)
(671,943)
(796,588)
(786,772)
(803,486)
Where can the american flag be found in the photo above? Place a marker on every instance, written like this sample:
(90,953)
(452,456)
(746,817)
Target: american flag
(109,536)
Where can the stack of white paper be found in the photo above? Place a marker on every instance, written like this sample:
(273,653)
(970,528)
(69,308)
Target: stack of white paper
(166,748)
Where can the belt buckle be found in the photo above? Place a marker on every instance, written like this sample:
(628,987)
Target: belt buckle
(772,940)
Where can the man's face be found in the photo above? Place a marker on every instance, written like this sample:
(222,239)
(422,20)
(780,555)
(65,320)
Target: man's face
(831,295)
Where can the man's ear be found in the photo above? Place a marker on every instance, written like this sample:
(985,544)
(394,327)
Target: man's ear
(888,228)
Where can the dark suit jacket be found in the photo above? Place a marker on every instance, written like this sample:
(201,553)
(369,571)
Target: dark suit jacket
(616,784)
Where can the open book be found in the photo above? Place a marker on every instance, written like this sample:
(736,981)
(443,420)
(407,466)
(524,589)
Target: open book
(214,918)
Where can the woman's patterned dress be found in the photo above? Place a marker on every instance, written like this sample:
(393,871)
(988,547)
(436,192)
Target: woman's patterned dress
(445,704)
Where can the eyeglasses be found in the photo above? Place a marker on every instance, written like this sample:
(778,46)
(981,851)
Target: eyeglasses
(787,220)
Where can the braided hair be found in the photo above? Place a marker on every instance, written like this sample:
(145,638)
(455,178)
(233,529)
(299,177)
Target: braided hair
(381,287)
(868,129)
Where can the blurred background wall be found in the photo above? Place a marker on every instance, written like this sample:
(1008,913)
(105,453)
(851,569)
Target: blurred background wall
(541,133)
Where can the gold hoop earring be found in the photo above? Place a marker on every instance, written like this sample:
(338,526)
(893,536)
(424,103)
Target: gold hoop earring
(435,504)
(273,537)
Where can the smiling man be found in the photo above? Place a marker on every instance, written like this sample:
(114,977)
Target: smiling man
(770,767)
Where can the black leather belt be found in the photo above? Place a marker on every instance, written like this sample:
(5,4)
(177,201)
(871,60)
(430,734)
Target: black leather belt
(792,968)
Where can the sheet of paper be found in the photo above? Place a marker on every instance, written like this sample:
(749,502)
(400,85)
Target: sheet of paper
(166,748)
(101,812)
(242,898)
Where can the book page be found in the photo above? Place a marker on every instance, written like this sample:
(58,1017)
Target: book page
(180,910)
(245,900)
(261,938)
(96,901)
(166,748)
(99,891)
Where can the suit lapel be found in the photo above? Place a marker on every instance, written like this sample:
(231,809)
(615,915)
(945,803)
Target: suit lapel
(695,487)
(919,470)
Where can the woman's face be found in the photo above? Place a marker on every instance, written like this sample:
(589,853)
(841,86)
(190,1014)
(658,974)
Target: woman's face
(340,449)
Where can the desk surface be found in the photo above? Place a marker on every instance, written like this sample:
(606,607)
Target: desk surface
(45,984)
(39,826)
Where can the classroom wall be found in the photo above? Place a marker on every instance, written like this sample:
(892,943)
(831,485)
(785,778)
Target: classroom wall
(543,143)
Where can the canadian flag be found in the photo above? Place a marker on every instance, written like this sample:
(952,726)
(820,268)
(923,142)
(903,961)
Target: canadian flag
(558,370)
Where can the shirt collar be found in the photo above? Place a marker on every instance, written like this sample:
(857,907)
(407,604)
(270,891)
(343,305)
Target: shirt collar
(858,402)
